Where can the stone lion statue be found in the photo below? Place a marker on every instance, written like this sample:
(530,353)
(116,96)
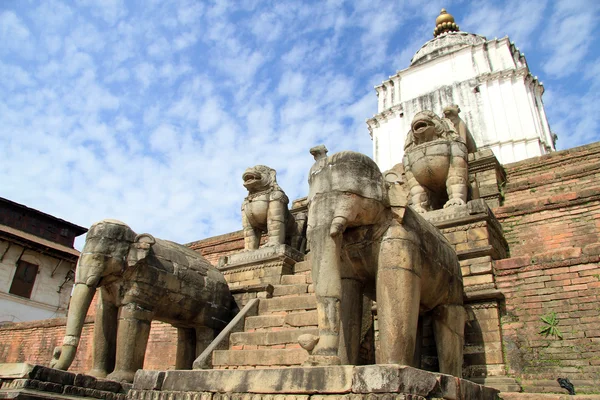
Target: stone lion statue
(265,210)
(435,160)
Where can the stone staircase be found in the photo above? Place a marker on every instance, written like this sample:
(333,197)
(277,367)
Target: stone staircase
(285,311)
(270,339)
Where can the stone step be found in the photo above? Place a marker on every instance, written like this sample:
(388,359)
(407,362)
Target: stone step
(303,302)
(292,319)
(287,290)
(293,279)
(272,338)
(270,357)
(302,266)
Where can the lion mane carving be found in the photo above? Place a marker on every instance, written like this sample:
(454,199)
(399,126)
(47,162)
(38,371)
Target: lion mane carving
(435,160)
(265,210)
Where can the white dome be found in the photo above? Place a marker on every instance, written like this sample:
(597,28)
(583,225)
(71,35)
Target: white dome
(445,43)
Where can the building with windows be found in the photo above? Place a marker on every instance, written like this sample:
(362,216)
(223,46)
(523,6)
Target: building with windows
(37,261)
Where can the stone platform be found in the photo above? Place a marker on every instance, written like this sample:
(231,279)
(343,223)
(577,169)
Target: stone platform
(32,382)
(393,382)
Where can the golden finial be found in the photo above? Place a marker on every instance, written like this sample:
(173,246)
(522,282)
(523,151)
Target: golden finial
(444,23)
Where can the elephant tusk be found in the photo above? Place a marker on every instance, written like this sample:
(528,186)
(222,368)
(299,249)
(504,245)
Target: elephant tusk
(338,226)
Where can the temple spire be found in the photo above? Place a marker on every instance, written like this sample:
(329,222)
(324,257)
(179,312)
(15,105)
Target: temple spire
(444,23)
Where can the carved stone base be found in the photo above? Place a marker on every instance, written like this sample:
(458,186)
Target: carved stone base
(28,382)
(478,240)
(265,265)
(301,383)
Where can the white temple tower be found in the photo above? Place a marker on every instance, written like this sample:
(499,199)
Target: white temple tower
(500,101)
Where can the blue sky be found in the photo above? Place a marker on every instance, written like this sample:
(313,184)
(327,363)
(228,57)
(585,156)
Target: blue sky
(148,111)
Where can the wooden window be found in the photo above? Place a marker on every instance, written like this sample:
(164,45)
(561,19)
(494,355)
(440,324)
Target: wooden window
(24,279)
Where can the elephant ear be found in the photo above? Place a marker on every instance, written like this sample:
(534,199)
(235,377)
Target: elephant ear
(140,248)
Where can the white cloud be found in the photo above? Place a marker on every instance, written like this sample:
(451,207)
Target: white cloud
(150,114)
(567,35)
(14,35)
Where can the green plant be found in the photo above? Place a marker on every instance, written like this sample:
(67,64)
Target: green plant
(551,326)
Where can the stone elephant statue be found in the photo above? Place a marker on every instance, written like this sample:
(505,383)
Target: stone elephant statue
(141,279)
(361,242)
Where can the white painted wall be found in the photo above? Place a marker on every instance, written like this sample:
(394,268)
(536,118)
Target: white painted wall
(500,101)
(45,301)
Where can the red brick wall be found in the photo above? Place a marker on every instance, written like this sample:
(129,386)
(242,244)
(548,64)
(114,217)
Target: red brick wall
(34,342)
(551,221)
(215,247)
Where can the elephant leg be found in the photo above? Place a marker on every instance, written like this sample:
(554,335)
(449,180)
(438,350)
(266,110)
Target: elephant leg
(105,336)
(418,345)
(204,337)
(132,339)
(186,348)
(456,183)
(351,317)
(325,250)
(398,297)
(251,235)
(448,330)
(276,223)
(419,196)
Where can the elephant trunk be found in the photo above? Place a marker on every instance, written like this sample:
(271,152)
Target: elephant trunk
(80,303)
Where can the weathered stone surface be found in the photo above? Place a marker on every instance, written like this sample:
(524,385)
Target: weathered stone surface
(303,318)
(148,274)
(435,160)
(306,302)
(265,210)
(293,279)
(264,321)
(260,357)
(148,380)
(108,385)
(15,370)
(287,290)
(269,338)
(354,234)
(85,381)
(46,374)
(395,379)
(302,266)
(274,381)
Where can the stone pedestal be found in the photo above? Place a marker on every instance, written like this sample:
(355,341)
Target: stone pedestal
(251,273)
(478,240)
(486,177)
(29,382)
(371,382)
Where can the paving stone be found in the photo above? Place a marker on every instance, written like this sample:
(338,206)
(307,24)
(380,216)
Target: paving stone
(264,321)
(269,338)
(299,380)
(286,290)
(307,302)
(259,357)
(46,374)
(108,385)
(148,380)
(85,381)
(395,379)
(302,318)
(293,279)
(15,370)
(302,266)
